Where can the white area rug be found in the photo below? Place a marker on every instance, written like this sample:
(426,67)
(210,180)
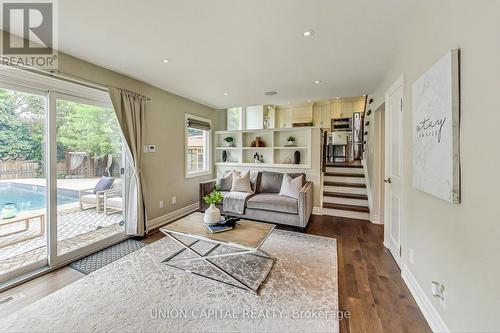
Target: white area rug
(138,293)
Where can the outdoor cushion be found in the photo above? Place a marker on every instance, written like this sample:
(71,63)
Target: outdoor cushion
(270,182)
(273,202)
(291,187)
(116,202)
(104,184)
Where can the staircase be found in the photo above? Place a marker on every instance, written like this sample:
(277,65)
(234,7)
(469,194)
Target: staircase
(344,191)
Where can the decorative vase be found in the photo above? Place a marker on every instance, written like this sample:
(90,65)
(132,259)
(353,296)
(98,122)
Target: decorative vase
(224,156)
(212,215)
(296,157)
(228,144)
(291,143)
(9,210)
(257,142)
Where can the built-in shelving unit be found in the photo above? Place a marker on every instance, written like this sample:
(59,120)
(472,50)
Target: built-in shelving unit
(276,153)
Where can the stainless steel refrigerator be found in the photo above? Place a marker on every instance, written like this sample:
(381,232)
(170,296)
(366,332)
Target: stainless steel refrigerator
(357,136)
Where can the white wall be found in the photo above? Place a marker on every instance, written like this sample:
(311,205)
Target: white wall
(458,245)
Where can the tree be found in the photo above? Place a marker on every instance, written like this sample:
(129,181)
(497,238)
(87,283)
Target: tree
(21,126)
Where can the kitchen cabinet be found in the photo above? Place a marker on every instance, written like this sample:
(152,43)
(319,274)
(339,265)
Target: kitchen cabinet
(322,115)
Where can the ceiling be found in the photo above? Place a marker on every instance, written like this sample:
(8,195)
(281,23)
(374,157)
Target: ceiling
(242,48)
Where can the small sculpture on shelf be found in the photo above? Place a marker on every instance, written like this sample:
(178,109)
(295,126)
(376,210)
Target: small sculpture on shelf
(296,157)
(228,141)
(224,156)
(257,158)
(290,141)
(257,142)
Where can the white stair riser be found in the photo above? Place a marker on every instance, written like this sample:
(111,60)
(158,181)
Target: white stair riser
(345,170)
(346,201)
(355,180)
(346,213)
(342,189)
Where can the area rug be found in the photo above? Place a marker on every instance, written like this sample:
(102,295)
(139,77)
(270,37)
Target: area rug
(138,293)
(105,257)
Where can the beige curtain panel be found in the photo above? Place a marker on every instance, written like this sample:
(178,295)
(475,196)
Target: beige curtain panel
(130,111)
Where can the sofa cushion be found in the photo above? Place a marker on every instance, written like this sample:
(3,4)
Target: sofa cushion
(241,182)
(270,182)
(273,202)
(291,187)
(224,181)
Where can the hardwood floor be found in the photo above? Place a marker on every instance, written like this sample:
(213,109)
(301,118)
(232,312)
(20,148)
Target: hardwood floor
(370,283)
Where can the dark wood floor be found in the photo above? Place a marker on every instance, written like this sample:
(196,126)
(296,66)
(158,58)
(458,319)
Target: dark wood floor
(370,284)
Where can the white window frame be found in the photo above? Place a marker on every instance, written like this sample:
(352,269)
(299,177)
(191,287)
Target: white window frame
(207,147)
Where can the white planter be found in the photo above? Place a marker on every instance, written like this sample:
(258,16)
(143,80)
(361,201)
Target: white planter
(212,215)
(291,143)
(228,144)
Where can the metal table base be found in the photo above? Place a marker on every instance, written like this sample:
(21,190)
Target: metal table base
(207,257)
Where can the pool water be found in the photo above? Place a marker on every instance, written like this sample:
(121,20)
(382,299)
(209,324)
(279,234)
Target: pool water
(30,197)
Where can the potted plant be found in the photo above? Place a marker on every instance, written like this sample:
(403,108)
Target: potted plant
(228,140)
(290,141)
(212,213)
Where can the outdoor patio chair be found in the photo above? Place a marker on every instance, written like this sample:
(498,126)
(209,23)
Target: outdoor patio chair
(113,201)
(94,197)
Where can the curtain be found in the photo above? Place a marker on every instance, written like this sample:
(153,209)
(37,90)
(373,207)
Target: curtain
(130,111)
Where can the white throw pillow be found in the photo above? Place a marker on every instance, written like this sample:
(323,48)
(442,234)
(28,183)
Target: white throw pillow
(241,182)
(291,187)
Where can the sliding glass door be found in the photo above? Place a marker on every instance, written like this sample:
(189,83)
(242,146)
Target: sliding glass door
(23,181)
(62,177)
(89,168)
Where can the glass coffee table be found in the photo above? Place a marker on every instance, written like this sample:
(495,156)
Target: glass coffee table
(245,239)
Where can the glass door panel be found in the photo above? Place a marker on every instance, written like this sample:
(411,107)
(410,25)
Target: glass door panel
(23,182)
(90,185)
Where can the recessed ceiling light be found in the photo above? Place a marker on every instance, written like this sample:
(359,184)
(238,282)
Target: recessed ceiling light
(165,61)
(270,93)
(225,94)
(317,82)
(308,33)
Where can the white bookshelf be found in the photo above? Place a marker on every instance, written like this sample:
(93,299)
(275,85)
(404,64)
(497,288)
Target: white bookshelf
(275,152)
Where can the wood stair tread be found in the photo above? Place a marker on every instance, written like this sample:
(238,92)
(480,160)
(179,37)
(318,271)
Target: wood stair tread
(346,195)
(343,174)
(340,165)
(343,184)
(351,208)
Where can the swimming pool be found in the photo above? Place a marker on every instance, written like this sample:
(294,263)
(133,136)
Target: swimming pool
(30,197)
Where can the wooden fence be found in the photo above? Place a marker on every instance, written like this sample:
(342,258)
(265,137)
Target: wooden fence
(20,169)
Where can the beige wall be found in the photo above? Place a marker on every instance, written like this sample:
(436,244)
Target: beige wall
(164,170)
(457,245)
(374,155)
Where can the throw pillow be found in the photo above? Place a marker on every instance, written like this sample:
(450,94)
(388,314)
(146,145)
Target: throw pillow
(104,184)
(225,181)
(241,182)
(291,187)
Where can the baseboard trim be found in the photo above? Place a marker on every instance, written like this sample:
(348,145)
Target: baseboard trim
(317,211)
(164,219)
(428,310)
(375,219)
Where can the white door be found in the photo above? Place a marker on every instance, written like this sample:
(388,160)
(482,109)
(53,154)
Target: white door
(393,169)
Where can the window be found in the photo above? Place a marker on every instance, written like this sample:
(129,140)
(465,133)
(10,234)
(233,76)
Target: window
(198,132)
(235,118)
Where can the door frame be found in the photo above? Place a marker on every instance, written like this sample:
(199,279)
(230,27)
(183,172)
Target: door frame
(399,83)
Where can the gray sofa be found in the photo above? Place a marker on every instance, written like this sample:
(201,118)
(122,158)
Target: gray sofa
(266,205)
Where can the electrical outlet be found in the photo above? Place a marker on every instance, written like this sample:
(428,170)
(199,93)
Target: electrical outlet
(152,148)
(438,291)
(411,256)
(161,203)
(174,200)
